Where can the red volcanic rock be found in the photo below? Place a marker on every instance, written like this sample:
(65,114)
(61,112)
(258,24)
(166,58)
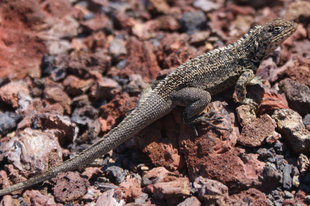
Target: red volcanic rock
(251,196)
(256,131)
(115,109)
(158,174)
(228,168)
(34,197)
(190,201)
(174,50)
(76,86)
(212,155)
(159,6)
(298,95)
(4,179)
(10,93)
(141,59)
(98,23)
(298,69)
(129,190)
(272,101)
(108,198)
(86,65)
(57,95)
(175,188)
(21,49)
(104,88)
(162,150)
(69,186)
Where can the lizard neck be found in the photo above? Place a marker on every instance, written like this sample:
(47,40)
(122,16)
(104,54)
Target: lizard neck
(253,44)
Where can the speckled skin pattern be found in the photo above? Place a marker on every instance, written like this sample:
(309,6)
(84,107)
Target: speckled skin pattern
(190,85)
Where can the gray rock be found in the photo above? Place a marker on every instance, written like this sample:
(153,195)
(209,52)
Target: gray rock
(297,94)
(121,64)
(117,48)
(136,84)
(278,203)
(142,199)
(291,127)
(271,177)
(288,195)
(307,119)
(146,181)
(193,21)
(8,121)
(208,188)
(280,162)
(279,147)
(116,173)
(287,179)
(265,154)
(49,67)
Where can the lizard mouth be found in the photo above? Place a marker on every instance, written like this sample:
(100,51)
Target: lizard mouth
(292,29)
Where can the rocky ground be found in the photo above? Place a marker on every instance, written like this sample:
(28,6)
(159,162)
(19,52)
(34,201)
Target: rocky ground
(71,70)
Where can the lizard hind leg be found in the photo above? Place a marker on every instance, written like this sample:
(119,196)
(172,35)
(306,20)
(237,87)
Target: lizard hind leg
(195,101)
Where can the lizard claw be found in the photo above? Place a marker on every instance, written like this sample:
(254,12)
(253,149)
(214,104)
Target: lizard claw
(208,119)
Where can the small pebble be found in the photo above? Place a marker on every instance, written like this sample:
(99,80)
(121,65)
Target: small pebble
(116,173)
(287,179)
(193,21)
(288,195)
(278,146)
(8,121)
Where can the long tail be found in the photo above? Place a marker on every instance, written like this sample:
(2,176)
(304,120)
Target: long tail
(154,108)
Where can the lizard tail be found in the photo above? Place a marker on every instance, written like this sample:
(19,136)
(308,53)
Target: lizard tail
(154,108)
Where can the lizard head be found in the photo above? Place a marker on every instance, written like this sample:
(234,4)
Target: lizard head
(275,32)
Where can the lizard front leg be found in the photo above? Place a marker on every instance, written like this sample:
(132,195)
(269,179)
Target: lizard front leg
(195,101)
(240,88)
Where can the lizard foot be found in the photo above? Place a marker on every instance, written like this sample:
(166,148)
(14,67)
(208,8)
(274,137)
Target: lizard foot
(208,119)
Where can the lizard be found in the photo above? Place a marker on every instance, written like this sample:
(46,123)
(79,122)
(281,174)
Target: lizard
(191,86)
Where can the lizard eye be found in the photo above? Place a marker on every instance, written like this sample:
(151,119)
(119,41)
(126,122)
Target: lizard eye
(275,30)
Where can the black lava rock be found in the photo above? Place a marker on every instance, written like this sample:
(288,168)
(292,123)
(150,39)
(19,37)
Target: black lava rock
(8,121)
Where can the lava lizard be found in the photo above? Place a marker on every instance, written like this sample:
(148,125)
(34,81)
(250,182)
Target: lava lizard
(190,85)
